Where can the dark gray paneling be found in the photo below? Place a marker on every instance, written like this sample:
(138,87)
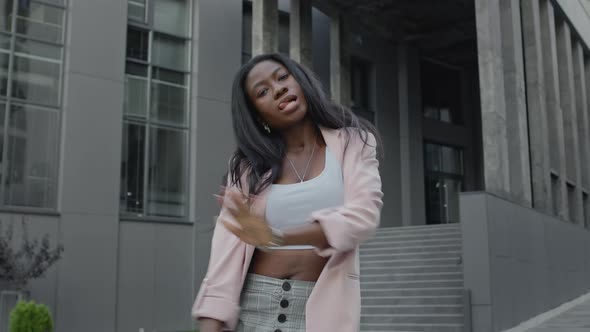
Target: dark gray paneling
(217,58)
(96,38)
(91,164)
(481,317)
(476,251)
(136,276)
(86,291)
(215,143)
(155,283)
(218,47)
(173,277)
(536,262)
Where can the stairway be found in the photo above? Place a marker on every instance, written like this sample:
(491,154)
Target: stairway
(412,280)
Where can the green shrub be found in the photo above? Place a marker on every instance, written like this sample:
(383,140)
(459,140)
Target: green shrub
(30,317)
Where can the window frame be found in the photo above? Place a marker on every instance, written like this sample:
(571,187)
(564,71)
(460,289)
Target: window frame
(150,124)
(9,101)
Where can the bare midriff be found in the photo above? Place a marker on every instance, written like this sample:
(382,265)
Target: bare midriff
(295,264)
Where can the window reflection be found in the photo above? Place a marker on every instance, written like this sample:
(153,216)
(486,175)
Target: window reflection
(30,96)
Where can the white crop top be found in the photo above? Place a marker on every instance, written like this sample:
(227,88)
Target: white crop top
(289,205)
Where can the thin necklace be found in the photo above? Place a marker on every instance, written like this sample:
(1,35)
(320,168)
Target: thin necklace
(301,178)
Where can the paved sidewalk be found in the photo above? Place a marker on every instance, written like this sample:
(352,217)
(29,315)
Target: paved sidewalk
(576,319)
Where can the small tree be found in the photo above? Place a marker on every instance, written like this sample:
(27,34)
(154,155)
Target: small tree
(30,317)
(31,261)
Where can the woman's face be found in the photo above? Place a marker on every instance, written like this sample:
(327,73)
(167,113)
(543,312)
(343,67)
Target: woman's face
(275,93)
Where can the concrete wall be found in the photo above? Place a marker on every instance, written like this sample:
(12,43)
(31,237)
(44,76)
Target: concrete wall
(578,13)
(518,262)
(218,58)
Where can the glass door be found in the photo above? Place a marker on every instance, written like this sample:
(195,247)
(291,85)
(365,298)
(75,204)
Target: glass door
(444,179)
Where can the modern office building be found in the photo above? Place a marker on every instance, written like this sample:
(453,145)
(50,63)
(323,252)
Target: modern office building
(116,129)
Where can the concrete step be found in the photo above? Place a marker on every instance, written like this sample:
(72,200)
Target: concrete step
(394,231)
(431,268)
(411,284)
(423,309)
(411,276)
(374,243)
(410,262)
(386,250)
(410,237)
(412,318)
(372,327)
(412,300)
(410,255)
(412,280)
(419,291)
(419,228)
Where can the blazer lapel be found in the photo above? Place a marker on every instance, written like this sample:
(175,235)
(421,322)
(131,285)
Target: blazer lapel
(333,141)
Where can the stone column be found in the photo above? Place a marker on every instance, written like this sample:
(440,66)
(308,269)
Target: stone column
(265,27)
(582,114)
(568,106)
(300,32)
(339,60)
(554,118)
(537,108)
(411,147)
(516,108)
(587,143)
(493,106)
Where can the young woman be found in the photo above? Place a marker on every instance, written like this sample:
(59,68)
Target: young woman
(303,192)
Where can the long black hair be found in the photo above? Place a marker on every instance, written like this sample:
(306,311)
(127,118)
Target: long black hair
(259,152)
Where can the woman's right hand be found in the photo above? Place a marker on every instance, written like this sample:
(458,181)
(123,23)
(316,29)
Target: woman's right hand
(210,325)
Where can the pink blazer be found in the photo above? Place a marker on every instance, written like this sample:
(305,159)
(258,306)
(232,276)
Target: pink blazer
(335,302)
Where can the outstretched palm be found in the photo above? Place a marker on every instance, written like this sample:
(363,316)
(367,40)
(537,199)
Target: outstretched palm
(251,229)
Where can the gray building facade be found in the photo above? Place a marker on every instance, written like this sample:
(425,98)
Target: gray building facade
(116,131)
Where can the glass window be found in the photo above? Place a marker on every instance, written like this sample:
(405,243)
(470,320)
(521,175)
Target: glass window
(155,144)
(136,96)
(2,130)
(167,194)
(444,159)
(41,49)
(4,42)
(33,143)
(359,79)
(171,16)
(170,52)
(168,103)
(137,44)
(360,83)
(40,21)
(31,56)
(36,80)
(441,92)
(169,76)
(136,10)
(6,15)
(4,58)
(132,168)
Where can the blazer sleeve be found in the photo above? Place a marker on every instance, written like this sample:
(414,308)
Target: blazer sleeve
(219,295)
(346,226)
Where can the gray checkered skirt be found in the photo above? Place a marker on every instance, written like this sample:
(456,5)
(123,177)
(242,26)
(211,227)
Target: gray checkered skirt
(273,305)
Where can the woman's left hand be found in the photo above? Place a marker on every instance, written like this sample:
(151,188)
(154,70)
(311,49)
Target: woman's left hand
(251,229)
